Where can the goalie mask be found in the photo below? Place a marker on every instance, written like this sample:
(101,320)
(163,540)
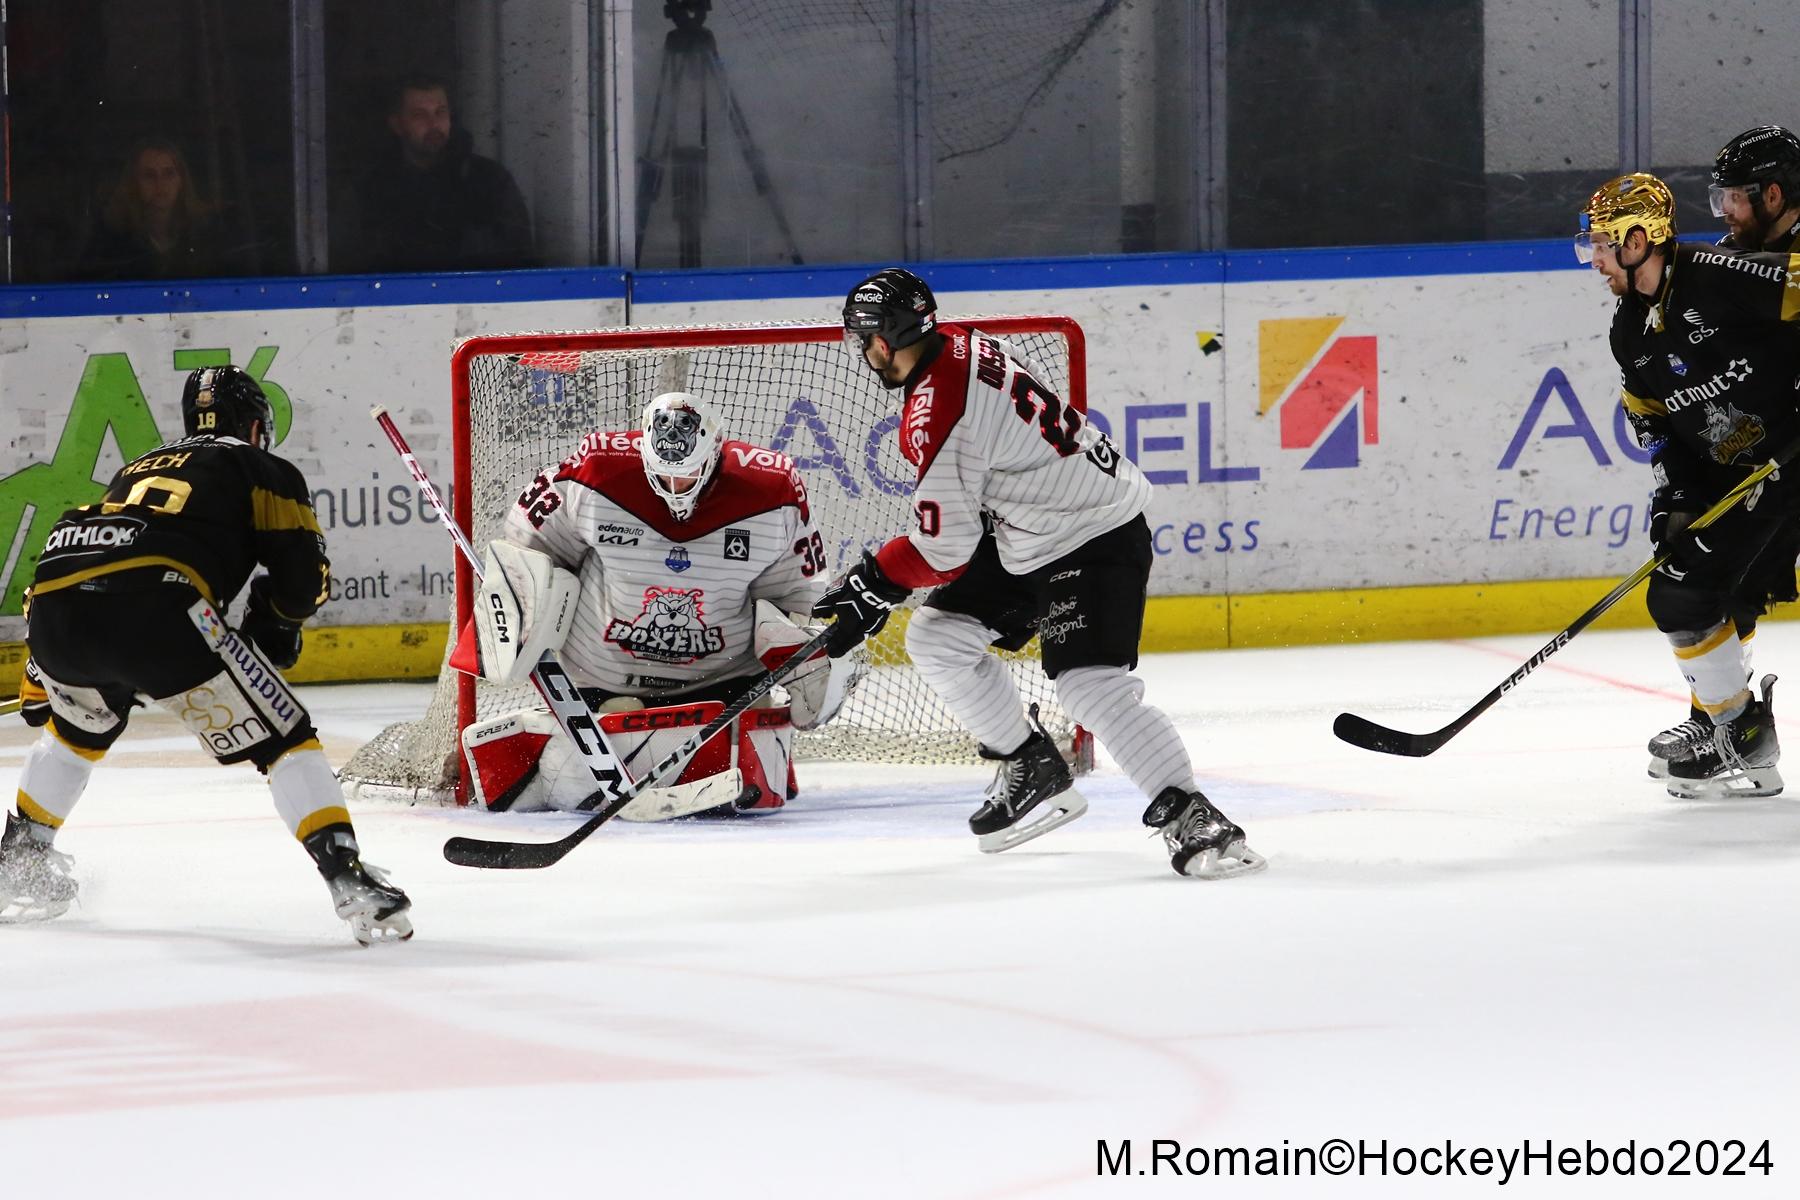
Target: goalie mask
(226,401)
(681,445)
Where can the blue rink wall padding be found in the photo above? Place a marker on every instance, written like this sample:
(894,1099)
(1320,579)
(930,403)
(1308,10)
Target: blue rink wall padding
(764,283)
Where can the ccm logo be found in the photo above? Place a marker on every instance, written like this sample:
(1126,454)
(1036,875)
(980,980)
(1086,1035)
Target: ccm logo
(498,617)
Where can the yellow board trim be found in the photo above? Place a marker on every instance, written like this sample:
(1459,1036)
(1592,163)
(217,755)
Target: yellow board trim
(336,815)
(354,653)
(125,564)
(31,810)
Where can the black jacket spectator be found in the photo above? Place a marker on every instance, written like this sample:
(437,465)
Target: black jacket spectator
(462,213)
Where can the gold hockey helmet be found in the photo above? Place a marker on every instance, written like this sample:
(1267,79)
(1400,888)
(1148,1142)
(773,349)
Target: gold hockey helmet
(1629,202)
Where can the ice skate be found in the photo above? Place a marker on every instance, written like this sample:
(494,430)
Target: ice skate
(1739,761)
(1679,742)
(36,880)
(1203,842)
(375,909)
(1033,792)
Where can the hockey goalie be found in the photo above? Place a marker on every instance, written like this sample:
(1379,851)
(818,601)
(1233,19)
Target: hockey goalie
(661,564)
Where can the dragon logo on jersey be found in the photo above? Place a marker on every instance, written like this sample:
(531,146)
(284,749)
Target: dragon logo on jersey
(670,629)
(1328,388)
(1731,432)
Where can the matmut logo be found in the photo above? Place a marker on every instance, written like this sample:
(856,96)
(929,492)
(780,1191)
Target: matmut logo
(1327,387)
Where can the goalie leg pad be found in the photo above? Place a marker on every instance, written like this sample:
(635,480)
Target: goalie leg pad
(523,608)
(765,756)
(503,755)
(642,738)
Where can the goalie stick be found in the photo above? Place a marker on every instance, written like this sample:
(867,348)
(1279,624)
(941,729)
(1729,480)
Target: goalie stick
(552,682)
(9,707)
(479,852)
(1366,734)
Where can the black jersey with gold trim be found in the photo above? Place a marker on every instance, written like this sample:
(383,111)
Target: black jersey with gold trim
(205,510)
(1709,368)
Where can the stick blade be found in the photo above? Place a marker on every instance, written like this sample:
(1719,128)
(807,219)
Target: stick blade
(1367,735)
(502,856)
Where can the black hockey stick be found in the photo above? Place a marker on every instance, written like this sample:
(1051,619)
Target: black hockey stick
(478,852)
(1362,732)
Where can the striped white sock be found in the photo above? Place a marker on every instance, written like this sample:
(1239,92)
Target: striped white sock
(951,651)
(1142,739)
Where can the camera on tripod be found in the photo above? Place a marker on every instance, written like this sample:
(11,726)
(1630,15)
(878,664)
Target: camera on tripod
(691,84)
(687,14)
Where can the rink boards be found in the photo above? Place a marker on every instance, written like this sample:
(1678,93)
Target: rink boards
(1346,444)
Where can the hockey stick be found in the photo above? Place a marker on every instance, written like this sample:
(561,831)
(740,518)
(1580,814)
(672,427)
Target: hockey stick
(1366,734)
(9,707)
(478,852)
(551,681)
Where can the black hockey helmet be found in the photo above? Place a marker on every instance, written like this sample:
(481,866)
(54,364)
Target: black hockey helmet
(892,304)
(1766,154)
(226,401)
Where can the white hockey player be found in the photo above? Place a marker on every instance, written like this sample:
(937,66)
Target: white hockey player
(1028,520)
(661,564)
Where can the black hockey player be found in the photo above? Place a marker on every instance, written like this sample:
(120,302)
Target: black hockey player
(1756,189)
(1028,521)
(128,606)
(1708,360)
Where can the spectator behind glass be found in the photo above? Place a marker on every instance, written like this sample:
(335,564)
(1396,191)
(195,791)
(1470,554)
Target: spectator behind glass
(154,225)
(433,204)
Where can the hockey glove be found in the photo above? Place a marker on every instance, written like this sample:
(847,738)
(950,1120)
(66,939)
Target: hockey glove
(275,635)
(1670,512)
(860,601)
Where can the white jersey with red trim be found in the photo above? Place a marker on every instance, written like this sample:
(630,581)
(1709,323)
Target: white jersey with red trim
(987,436)
(667,605)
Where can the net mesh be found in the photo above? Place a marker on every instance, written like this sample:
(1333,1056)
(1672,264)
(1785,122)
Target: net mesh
(794,389)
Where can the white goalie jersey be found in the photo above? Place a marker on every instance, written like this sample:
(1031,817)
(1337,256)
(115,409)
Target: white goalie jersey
(987,437)
(666,606)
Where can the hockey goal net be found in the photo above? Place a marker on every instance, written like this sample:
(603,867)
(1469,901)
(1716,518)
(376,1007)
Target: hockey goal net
(525,400)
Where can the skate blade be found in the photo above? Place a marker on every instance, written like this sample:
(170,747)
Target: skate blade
(1658,768)
(1236,859)
(24,910)
(1753,784)
(1055,812)
(369,932)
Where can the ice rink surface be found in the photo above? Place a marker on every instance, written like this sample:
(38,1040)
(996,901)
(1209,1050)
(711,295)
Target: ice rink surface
(1520,937)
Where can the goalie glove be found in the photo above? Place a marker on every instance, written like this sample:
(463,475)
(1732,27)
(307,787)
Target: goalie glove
(819,687)
(523,609)
(276,635)
(860,601)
